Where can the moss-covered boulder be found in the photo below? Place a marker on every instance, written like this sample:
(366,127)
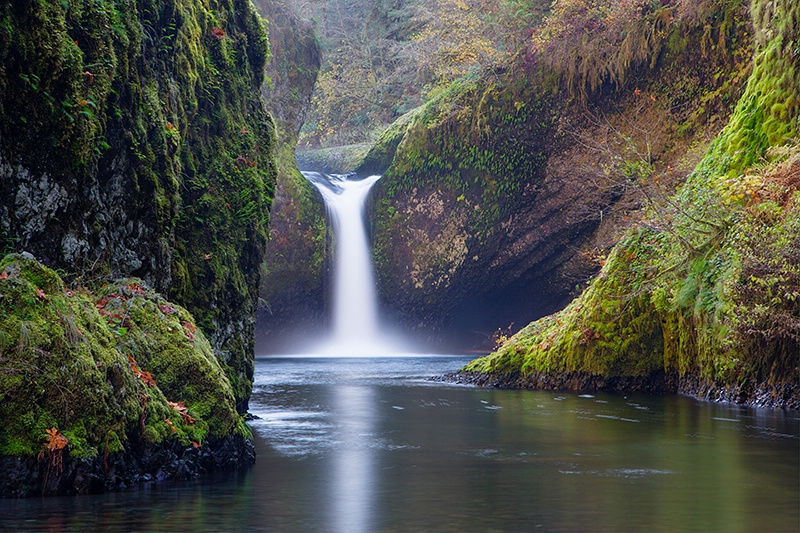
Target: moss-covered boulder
(103,389)
(134,142)
(705,289)
(503,192)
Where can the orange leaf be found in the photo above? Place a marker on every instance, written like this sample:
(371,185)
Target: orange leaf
(135,288)
(40,293)
(147,379)
(4,275)
(189,329)
(197,444)
(178,406)
(134,366)
(169,423)
(55,440)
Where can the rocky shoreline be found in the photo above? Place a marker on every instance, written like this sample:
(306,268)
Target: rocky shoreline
(781,396)
(138,464)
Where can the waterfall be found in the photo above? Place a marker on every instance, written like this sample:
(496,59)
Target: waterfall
(356,328)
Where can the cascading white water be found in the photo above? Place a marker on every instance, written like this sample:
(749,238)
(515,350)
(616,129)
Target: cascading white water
(355,311)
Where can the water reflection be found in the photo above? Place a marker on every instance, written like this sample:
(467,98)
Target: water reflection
(353,462)
(367,445)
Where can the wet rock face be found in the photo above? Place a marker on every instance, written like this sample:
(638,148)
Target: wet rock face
(293,67)
(140,463)
(291,289)
(465,283)
(96,226)
(458,258)
(156,160)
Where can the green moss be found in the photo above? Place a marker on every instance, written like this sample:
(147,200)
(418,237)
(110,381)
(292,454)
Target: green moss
(164,340)
(77,361)
(710,287)
(161,96)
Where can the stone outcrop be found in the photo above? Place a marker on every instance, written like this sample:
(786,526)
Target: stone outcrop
(105,389)
(704,287)
(133,141)
(292,287)
(501,196)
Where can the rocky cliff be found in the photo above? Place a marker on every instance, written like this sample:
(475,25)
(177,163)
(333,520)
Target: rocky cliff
(701,295)
(138,158)
(293,278)
(501,196)
(133,142)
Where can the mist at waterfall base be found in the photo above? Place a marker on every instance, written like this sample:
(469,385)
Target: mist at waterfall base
(356,328)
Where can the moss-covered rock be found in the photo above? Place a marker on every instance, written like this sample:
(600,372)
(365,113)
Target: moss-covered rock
(133,141)
(293,272)
(501,194)
(706,287)
(121,375)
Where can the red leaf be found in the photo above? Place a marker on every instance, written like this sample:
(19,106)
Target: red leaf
(218,32)
(189,329)
(135,288)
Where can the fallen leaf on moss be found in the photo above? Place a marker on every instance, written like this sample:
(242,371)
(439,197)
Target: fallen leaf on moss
(135,288)
(218,32)
(183,411)
(189,329)
(147,379)
(55,440)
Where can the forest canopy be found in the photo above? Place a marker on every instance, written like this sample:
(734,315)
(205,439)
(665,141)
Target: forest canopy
(383,58)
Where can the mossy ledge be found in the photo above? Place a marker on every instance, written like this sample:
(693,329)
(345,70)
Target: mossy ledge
(706,290)
(107,388)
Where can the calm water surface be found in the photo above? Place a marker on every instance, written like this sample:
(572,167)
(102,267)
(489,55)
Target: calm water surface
(371,445)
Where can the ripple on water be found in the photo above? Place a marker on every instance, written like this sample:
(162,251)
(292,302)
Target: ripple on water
(295,433)
(627,473)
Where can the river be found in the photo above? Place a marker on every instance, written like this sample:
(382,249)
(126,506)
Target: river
(370,444)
